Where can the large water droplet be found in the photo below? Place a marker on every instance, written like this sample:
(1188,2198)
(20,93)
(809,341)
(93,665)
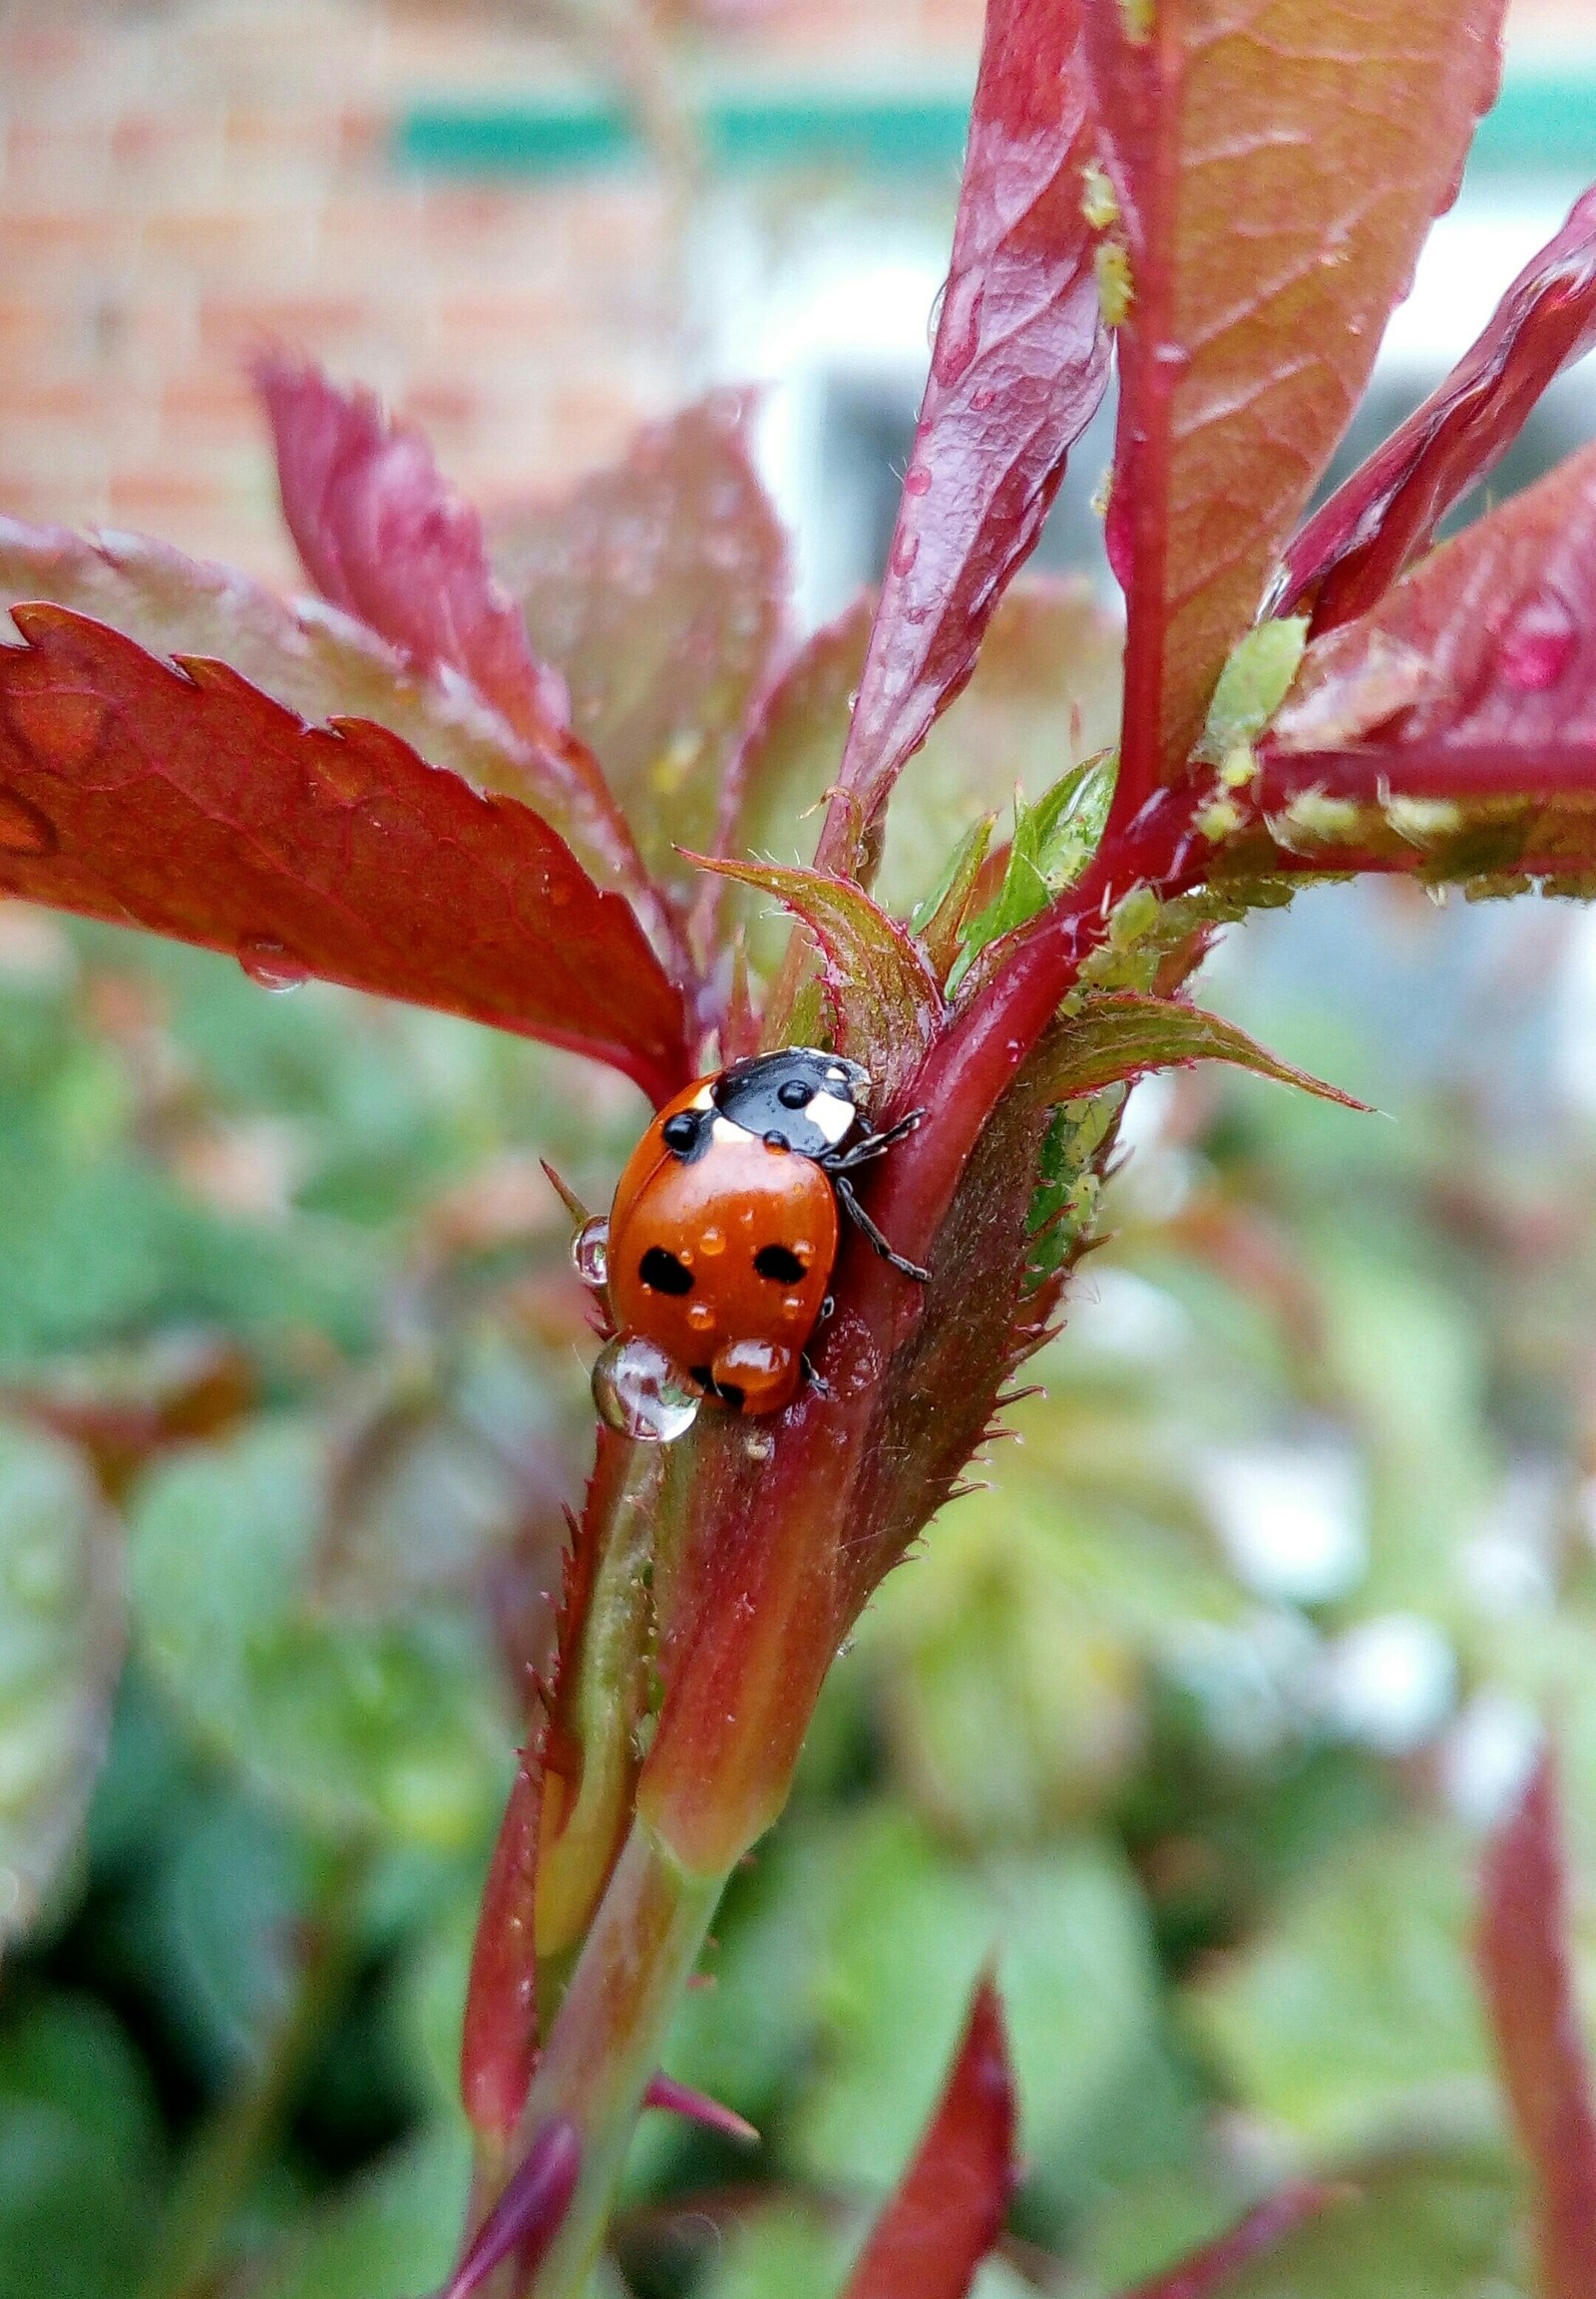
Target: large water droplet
(958,333)
(271,965)
(904,553)
(641,1392)
(589,1252)
(1535,652)
(23,829)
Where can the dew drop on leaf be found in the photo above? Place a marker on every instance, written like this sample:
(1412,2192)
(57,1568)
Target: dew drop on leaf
(271,965)
(959,338)
(589,1252)
(1535,650)
(916,480)
(23,829)
(643,1392)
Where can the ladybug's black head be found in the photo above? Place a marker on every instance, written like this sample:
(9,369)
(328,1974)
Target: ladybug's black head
(800,1098)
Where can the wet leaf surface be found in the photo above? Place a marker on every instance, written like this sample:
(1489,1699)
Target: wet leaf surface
(313,659)
(186,801)
(1384,517)
(1018,364)
(659,589)
(384,535)
(1257,298)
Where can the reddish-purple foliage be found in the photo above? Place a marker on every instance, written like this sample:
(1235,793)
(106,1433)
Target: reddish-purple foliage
(1526,1967)
(660,586)
(1270,214)
(1352,549)
(528,2215)
(1476,674)
(185,800)
(948,2211)
(498,2032)
(385,536)
(1018,365)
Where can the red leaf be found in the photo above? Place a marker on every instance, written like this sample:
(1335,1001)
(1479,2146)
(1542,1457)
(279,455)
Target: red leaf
(1527,1970)
(1350,552)
(1211,2268)
(1019,366)
(1310,150)
(384,535)
(659,587)
(386,538)
(186,801)
(885,998)
(949,2210)
(319,662)
(1475,675)
(499,2036)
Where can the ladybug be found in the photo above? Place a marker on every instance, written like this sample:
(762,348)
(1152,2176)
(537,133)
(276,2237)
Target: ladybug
(724,1226)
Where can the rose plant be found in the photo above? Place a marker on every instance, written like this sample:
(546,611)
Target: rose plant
(424,788)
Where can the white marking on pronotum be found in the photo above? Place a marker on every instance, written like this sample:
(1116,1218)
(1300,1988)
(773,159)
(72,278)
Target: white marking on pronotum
(832,1115)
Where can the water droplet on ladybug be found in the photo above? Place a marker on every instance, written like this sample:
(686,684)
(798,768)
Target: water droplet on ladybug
(700,1317)
(589,1252)
(23,829)
(271,965)
(711,1242)
(643,1392)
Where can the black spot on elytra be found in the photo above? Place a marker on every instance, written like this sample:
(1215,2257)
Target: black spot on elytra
(662,1273)
(779,1263)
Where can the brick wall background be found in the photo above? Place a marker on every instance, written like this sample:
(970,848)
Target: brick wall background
(182,180)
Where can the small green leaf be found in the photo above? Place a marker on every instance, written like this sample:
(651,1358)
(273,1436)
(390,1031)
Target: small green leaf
(938,920)
(1053,842)
(1252,684)
(1118,1034)
(885,999)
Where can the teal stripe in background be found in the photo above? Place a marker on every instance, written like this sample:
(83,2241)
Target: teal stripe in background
(1544,123)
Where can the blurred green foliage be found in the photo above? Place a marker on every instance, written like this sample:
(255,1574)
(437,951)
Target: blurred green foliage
(1190,1721)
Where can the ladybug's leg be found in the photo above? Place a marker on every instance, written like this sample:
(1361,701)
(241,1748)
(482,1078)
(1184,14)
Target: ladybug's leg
(873,1145)
(856,1212)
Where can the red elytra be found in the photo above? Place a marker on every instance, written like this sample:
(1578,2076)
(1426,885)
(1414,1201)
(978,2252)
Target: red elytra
(725,1220)
(724,1259)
